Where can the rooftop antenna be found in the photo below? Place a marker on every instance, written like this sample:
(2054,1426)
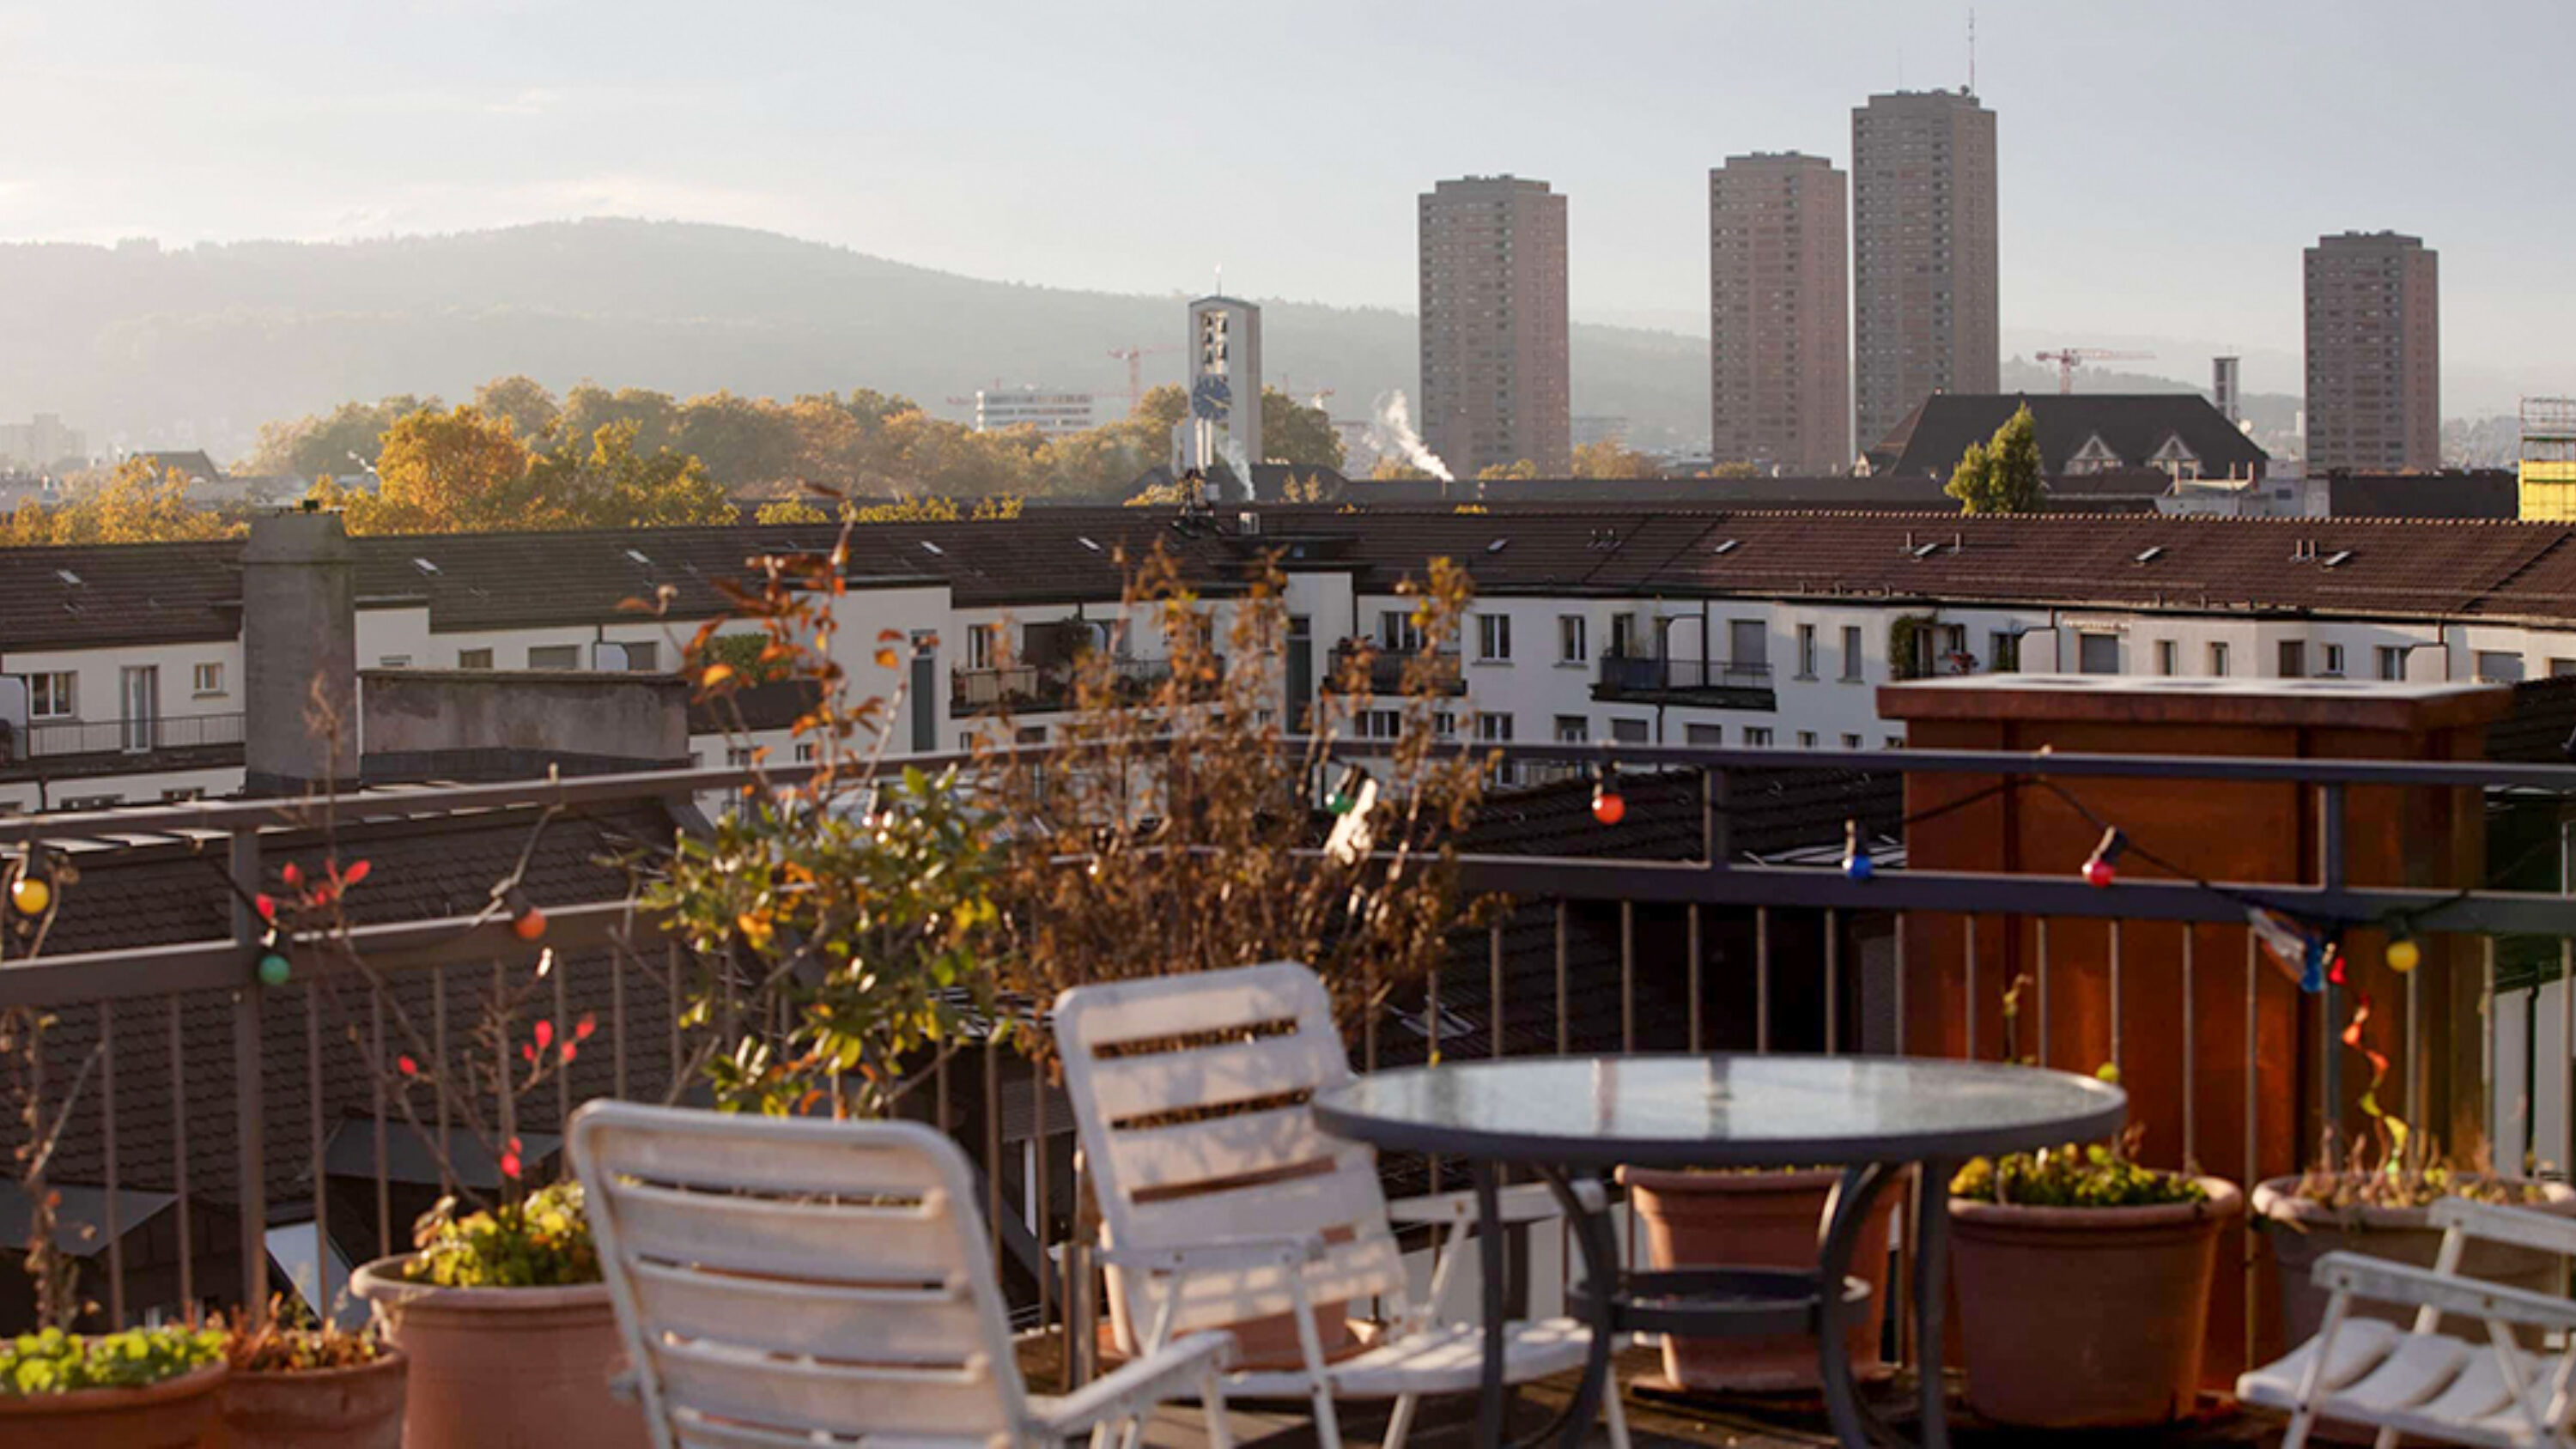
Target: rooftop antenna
(1220,279)
(1972,50)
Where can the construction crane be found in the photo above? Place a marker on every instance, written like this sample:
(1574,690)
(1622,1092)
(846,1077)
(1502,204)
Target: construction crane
(1135,357)
(2070,358)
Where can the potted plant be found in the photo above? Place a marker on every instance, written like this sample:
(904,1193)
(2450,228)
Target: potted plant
(2083,1286)
(301,1385)
(1758,1219)
(144,1388)
(2380,1204)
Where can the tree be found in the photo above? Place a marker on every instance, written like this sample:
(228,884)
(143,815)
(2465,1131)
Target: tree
(590,407)
(1730,470)
(789,510)
(614,486)
(530,408)
(1522,469)
(312,446)
(1609,459)
(1162,407)
(2002,475)
(133,504)
(449,472)
(1293,433)
(750,443)
(1390,467)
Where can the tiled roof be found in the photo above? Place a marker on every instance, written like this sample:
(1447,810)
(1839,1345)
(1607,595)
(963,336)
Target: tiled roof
(94,596)
(2134,486)
(2134,426)
(2466,493)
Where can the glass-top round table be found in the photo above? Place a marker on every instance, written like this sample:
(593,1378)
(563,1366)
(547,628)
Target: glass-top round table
(1873,1117)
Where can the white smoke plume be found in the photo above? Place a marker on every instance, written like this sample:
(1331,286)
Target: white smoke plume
(1392,432)
(1232,453)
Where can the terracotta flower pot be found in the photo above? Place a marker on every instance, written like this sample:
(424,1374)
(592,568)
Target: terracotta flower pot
(2300,1232)
(504,1368)
(2085,1317)
(173,1414)
(360,1407)
(1757,1220)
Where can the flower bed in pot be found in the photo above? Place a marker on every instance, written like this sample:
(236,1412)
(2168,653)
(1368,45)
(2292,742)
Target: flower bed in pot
(140,1389)
(510,1334)
(2083,1287)
(2388,1216)
(300,1386)
(1758,1220)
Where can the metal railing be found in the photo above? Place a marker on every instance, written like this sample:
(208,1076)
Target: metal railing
(1771,957)
(1051,686)
(51,739)
(1387,667)
(1629,673)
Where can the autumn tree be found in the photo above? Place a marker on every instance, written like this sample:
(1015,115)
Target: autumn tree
(1611,459)
(132,504)
(1522,469)
(458,471)
(1391,467)
(531,409)
(312,446)
(2001,475)
(612,485)
(1294,433)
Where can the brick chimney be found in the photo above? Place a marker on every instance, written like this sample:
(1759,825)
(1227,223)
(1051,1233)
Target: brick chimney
(299,634)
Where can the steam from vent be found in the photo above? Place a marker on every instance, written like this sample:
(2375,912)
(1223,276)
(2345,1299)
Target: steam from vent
(1392,432)
(1241,466)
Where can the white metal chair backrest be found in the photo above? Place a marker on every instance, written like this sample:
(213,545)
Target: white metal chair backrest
(1190,1096)
(776,1277)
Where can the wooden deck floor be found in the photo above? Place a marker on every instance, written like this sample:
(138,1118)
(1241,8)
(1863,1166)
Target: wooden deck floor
(1657,1421)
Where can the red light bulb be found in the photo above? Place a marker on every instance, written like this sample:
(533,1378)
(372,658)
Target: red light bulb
(1609,806)
(2097,872)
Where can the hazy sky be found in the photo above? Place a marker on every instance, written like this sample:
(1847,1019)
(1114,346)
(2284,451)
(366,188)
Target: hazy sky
(2163,161)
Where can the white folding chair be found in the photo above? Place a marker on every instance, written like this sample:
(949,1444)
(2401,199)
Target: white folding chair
(1222,1202)
(784,1283)
(2421,1382)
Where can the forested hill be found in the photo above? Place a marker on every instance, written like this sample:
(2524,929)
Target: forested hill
(145,346)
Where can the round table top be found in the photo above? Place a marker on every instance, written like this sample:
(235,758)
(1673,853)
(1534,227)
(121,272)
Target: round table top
(1721,1111)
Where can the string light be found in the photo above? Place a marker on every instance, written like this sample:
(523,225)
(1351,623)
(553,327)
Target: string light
(274,970)
(31,895)
(1856,862)
(2404,954)
(1608,805)
(1346,795)
(526,921)
(2098,871)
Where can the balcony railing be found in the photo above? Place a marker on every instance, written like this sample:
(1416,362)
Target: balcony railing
(1779,949)
(1040,688)
(1387,666)
(54,739)
(1742,686)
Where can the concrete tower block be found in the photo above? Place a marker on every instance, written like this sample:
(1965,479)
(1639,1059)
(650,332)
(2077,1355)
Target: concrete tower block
(299,647)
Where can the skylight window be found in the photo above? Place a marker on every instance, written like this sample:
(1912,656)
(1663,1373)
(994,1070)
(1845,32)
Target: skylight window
(2339,556)
(1498,545)
(637,557)
(2149,554)
(68,577)
(1728,546)
(1086,542)
(931,548)
(1926,550)
(425,566)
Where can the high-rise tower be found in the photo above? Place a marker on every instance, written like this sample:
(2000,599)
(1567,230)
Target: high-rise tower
(1779,345)
(1495,380)
(2374,354)
(1924,269)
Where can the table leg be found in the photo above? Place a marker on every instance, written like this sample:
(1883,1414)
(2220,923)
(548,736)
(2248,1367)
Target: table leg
(1931,1260)
(1489,1248)
(1854,1423)
(1600,1290)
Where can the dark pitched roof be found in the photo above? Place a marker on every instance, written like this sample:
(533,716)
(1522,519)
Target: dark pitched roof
(101,595)
(191,462)
(2134,426)
(2468,493)
(1819,491)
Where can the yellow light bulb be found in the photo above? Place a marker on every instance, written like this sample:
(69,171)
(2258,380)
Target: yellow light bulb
(2404,955)
(31,895)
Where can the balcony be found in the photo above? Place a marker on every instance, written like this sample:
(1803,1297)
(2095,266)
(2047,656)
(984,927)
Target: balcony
(63,748)
(1716,916)
(1386,668)
(1045,688)
(1708,684)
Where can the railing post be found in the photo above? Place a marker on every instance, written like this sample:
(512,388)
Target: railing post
(2330,871)
(251,1155)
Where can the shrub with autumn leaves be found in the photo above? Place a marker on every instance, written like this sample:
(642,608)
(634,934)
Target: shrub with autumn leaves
(540,1240)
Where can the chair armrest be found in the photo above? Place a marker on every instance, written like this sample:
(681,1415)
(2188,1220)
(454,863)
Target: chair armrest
(2546,1232)
(625,1387)
(1170,1372)
(2387,1282)
(1522,1202)
(1219,1253)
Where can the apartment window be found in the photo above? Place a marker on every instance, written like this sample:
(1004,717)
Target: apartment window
(805,752)
(182,794)
(1444,725)
(1895,742)
(92,802)
(1757,737)
(1398,633)
(53,696)
(1700,734)
(1494,727)
(1570,648)
(1494,638)
(1806,651)
(2561,668)
(2097,653)
(2496,666)
(554,656)
(1851,742)
(1572,729)
(473,658)
(1379,724)
(1806,739)
(1852,664)
(2003,650)
(1748,643)
(2218,661)
(2392,662)
(738,757)
(2294,658)
(206,679)
(2168,658)
(2334,661)
(1630,731)
(403,661)
(980,645)
(1029,735)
